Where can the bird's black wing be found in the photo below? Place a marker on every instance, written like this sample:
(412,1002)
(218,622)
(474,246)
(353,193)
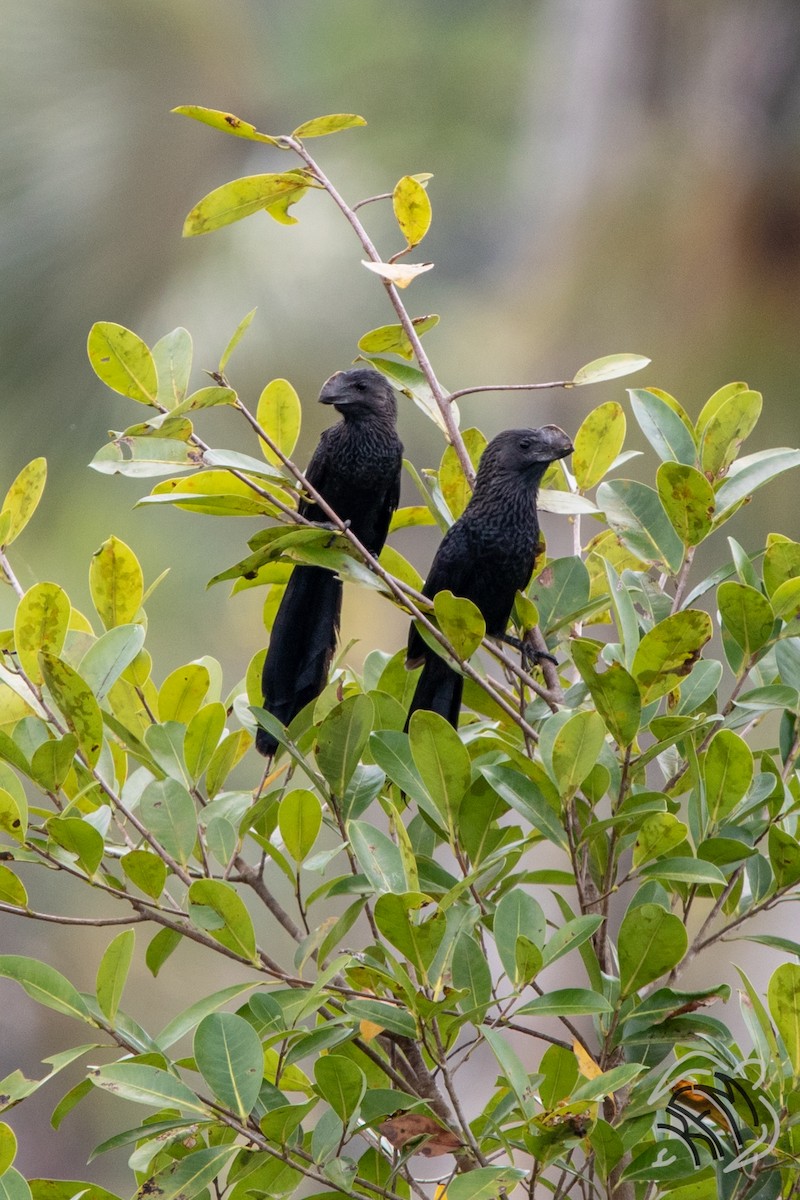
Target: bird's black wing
(450,571)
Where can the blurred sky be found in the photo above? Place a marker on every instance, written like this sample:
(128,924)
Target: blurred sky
(609,176)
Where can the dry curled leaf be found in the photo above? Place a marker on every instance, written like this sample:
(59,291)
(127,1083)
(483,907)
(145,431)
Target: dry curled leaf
(409,1127)
(400,274)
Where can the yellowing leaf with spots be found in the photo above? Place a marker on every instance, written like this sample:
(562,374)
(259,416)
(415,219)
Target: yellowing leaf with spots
(40,623)
(412,208)
(116,583)
(22,498)
(279,414)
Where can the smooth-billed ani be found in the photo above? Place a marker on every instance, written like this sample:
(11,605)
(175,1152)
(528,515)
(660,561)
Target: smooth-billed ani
(356,469)
(489,553)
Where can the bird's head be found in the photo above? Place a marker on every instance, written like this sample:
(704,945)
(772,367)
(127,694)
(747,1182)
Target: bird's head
(359,392)
(525,451)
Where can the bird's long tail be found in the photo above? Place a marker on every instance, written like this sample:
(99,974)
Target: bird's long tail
(438,690)
(301,647)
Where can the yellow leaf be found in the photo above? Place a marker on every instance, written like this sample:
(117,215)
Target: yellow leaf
(586,1064)
(412,208)
(369,1030)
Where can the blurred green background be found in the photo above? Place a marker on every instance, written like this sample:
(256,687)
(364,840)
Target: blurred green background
(609,176)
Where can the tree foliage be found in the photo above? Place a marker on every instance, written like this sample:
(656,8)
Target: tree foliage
(616,811)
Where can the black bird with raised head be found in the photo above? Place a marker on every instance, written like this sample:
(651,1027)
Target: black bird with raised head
(489,554)
(356,469)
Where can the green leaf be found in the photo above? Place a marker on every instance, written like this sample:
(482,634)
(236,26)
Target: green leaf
(182,693)
(207,397)
(210,902)
(378,857)
(746,615)
(597,443)
(22,499)
(460,621)
(146,870)
(341,1082)
(168,811)
(576,748)
(485,1183)
(116,583)
(611,366)
(172,356)
(471,974)
(241,198)
(77,703)
(527,799)
(45,985)
(786,601)
(417,942)
(165,942)
(142,457)
(341,739)
(229,1056)
(388,1016)
(12,890)
(148,1085)
(784,855)
(651,942)
(442,761)
(106,659)
(715,403)
(202,738)
(614,691)
(663,427)
(113,971)
(657,835)
(567,1002)
(14,1186)
(40,623)
(727,771)
(333,123)
(412,381)
(783,997)
(724,433)
(683,870)
(571,935)
(279,414)
(79,838)
(456,489)
(688,500)
(636,514)
(667,652)
(188,1177)
(560,589)
(8,1147)
(225,122)
(517,915)
(123,362)
(393,339)
(412,209)
(299,821)
(781,563)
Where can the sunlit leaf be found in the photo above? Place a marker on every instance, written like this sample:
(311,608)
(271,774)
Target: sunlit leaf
(123,362)
(40,623)
(635,512)
(241,198)
(667,652)
(299,822)
(734,421)
(783,996)
(412,209)
(333,123)
(688,501)
(746,614)
(22,499)
(597,443)
(217,907)
(751,472)
(116,583)
(663,427)
(575,750)
(611,366)
(393,339)
(279,414)
(224,121)
(460,621)
(172,355)
(235,338)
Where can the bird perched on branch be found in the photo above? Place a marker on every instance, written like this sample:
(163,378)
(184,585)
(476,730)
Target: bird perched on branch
(489,554)
(356,469)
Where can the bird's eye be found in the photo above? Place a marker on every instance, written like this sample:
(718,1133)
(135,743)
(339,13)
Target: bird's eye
(525,443)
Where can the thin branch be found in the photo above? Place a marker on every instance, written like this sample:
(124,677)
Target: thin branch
(58,919)
(510,387)
(441,398)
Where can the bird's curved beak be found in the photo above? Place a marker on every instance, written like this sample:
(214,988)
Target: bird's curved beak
(559,443)
(332,392)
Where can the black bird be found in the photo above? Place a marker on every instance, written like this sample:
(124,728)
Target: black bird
(356,468)
(488,555)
